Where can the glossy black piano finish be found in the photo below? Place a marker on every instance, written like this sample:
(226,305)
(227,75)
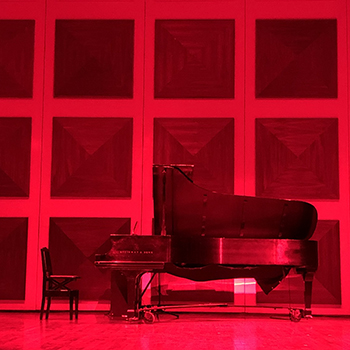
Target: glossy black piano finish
(188,210)
(243,252)
(202,235)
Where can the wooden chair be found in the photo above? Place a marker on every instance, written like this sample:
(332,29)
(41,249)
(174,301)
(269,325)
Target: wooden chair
(56,286)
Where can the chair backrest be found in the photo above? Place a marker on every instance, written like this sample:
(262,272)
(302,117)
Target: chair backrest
(46,262)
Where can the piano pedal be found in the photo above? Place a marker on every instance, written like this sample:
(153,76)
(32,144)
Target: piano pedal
(133,319)
(296,315)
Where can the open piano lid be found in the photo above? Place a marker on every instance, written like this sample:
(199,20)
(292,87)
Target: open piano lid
(185,209)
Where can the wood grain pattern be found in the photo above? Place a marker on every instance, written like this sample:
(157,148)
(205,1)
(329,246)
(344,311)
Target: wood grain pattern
(94,58)
(22,331)
(16,58)
(296,58)
(91,157)
(73,243)
(13,257)
(15,154)
(208,143)
(194,59)
(297,158)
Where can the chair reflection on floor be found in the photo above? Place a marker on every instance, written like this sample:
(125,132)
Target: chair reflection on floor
(56,286)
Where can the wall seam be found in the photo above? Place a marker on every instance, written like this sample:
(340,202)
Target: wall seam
(143,117)
(41,155)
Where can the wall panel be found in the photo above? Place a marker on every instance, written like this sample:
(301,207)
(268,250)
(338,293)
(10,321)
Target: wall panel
(194,102)
(15,153)
(14,237)
(17,57)
(94,58)
(292,93)
(297,158)
(92,123)
(296,58)
(73,244)
(21,89)
(91,157)
(194,59)
(207,143)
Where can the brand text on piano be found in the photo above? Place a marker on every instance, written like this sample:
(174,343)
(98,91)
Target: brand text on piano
(135,252)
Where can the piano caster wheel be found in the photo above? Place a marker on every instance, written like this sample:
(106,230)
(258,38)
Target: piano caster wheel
(295,315)
(148,317)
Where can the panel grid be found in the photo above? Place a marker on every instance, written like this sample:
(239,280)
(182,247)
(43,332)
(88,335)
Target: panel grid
(254,93)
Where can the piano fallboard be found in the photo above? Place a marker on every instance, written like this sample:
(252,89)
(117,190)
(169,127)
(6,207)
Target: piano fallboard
(138,249)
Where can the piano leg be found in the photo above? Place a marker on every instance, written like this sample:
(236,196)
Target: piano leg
(126,294)
(118,295)
(308,278)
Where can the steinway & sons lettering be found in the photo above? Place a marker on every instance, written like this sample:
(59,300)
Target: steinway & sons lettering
(140,252)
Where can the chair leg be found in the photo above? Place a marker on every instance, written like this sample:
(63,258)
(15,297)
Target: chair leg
(71,297)
(42,309)
(48,307)
(76,306)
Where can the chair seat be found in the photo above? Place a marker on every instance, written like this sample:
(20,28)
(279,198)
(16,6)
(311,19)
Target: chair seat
(61,293)
(65,276)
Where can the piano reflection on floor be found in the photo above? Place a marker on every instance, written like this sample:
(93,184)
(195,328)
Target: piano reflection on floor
(202,235)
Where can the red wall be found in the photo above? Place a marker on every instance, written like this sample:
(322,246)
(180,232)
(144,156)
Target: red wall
(254,93)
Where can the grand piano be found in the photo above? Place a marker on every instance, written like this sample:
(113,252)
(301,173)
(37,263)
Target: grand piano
(203,235)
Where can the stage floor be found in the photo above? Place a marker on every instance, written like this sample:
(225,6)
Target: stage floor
(195,331)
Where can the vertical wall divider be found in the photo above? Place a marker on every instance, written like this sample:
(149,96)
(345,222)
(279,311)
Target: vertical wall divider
(143,117)
(39,269)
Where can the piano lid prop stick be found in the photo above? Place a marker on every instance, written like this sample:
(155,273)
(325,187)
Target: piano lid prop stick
(134,229)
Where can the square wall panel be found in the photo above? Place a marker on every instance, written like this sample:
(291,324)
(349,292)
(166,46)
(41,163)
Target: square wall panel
(94,58)
(297,158)
(91,157)
(296,58)
(194,59)
(13,257)
(208,143)
(73,243)
(15,151)
(16,58)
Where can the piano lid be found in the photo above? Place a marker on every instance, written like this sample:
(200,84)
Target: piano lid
(184,209)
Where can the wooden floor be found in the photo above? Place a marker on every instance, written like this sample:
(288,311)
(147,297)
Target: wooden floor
(191,331)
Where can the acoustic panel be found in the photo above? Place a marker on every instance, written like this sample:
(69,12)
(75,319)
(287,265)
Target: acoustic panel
(94,58)
(296,58)
(208,143)
(91,157)
(16,58)
(327,281)
(297,158)
(194,59)
(73,243)
(13,257)
(15,151)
